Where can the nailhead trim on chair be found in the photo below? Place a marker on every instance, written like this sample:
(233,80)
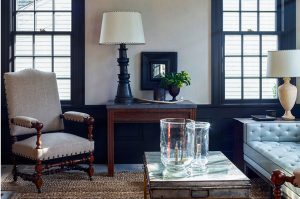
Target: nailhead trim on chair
(75,116)
(24,121)
(58,156)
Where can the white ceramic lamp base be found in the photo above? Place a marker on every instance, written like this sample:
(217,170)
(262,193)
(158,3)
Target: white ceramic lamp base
(287,94)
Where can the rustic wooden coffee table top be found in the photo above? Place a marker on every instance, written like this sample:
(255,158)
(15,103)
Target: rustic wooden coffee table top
(222,179)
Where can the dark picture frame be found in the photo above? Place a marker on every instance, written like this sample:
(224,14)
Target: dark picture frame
(154,65)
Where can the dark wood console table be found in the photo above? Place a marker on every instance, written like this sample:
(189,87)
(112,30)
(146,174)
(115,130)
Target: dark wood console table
(142,113)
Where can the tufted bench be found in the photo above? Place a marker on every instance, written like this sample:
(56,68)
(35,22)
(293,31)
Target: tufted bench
(273,145)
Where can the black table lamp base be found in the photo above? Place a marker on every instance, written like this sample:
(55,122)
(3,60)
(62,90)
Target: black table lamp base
(124,95)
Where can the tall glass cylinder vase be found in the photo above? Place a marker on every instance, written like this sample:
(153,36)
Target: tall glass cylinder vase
(201,145)
(176,146)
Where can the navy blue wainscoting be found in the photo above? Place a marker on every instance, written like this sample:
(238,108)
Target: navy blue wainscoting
(131,140)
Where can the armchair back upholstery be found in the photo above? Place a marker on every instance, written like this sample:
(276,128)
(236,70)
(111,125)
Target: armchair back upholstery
(34,94)
(273,132)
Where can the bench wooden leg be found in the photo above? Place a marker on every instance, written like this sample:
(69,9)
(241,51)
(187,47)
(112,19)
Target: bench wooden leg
(278,178)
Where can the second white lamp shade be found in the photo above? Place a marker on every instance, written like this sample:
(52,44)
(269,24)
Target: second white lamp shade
(284,63)
(122,27)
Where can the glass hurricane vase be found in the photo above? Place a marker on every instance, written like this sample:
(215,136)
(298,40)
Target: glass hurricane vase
(201,144)
(176,145)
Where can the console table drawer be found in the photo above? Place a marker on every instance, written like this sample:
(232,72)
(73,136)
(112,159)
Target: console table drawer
(149,116)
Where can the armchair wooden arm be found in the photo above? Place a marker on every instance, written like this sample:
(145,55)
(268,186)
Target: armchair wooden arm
(81,118)
(278,178)
(29,122)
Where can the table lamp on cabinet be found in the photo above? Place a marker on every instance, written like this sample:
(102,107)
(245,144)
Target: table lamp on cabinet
(121,28)
(285,64)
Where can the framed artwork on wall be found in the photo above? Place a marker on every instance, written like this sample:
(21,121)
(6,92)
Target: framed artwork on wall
(154,66)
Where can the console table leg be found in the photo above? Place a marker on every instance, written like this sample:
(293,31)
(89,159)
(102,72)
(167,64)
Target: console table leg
(110,143)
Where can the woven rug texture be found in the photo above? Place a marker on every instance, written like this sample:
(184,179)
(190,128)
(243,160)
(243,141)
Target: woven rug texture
(124,185)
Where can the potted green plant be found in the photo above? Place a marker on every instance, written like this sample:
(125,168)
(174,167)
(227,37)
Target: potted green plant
(174,81)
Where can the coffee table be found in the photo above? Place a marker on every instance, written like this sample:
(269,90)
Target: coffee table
(222,179)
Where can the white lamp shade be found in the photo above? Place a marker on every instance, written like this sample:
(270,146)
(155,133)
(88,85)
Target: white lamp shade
(122,27)
(283,63)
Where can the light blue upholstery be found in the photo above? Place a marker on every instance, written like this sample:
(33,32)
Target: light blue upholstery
(273,145)
(276,132)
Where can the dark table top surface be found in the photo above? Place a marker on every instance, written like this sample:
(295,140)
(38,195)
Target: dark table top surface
(144,105)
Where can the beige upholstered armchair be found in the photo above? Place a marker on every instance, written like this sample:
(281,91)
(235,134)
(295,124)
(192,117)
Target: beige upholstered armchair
(278,178)
(34,108)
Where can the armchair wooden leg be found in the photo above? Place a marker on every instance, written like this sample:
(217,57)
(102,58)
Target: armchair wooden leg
(15,168)
(91,167)
(38,181)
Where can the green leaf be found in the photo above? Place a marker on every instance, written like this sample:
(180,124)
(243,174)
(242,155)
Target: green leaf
(176,79)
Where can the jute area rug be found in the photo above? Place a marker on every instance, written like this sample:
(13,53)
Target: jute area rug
(125,185)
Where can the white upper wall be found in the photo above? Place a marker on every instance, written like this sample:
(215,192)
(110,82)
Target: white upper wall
(169,25)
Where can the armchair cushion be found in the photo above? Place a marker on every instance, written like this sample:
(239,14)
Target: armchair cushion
(75,116)
(24,121)
(285,154)
(54,145)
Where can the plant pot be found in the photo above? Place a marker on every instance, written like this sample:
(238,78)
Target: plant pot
(174,91)
(159,94)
